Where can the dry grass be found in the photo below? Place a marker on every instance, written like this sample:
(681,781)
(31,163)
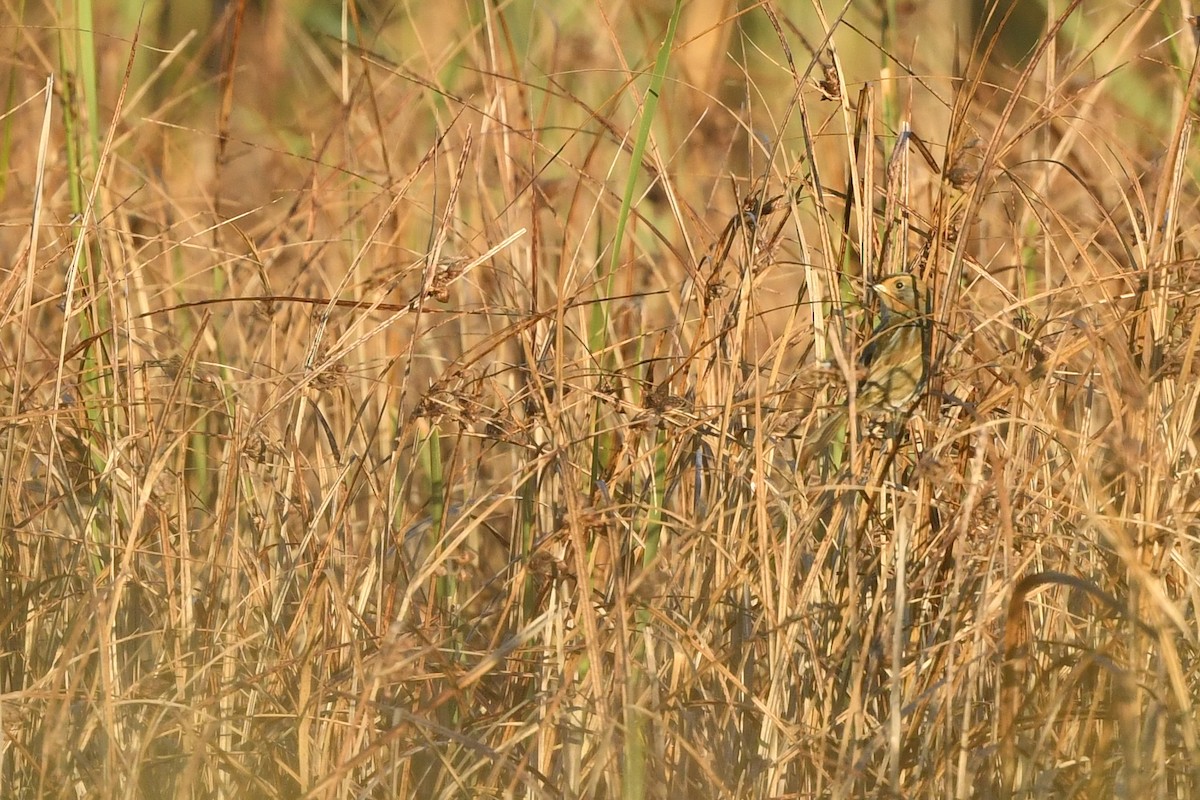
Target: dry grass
(420,417)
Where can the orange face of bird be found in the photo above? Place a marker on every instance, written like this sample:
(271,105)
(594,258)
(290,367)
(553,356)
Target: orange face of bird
(901,294)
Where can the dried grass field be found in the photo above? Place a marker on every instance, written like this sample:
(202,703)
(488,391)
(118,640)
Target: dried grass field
(415,400)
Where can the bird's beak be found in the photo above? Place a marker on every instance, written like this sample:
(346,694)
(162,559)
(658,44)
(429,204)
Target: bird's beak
(881,288)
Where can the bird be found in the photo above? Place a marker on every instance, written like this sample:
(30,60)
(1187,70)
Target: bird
(892,362)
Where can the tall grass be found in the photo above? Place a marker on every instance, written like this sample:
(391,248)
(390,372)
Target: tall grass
(409,402)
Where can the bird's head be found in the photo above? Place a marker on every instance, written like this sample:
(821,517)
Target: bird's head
(902,294)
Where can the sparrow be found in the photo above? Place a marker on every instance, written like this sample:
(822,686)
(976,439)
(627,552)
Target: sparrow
(892,364)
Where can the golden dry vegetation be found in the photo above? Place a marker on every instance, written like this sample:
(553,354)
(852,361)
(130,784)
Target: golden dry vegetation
(408,400)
